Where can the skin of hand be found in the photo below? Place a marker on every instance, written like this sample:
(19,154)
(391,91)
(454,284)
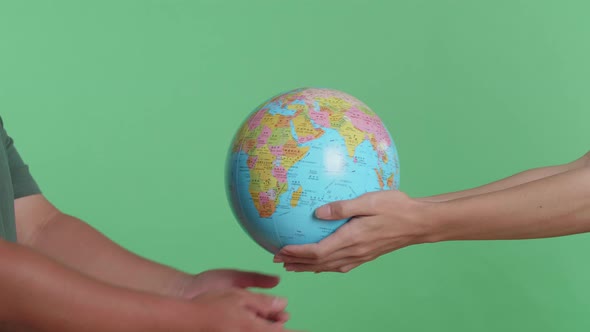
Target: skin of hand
(544,202)
(240,310)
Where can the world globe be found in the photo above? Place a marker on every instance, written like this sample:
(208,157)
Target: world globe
(300,150)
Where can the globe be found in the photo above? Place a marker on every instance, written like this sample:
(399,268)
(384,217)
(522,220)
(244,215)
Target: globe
(300,150)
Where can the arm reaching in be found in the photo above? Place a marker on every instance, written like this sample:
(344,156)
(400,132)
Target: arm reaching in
(544,203)
(40,294)
(514,180)
(76,244)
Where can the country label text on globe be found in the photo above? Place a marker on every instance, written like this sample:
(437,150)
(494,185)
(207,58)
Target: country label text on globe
(300,150)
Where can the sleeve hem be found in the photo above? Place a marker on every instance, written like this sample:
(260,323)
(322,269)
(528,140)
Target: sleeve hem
(25,188)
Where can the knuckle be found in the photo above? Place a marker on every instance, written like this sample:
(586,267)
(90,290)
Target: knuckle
(338,209)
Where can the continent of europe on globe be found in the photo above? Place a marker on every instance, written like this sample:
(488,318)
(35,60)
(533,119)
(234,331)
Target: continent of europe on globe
(298,151)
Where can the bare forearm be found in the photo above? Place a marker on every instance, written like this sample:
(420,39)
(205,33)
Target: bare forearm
(78,245)
(552,206)
(42,295)
(512,181)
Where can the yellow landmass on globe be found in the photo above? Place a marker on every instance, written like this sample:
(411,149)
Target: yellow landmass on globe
(335,104)
(337,119)
(352,137)
(296,196)
(304,128)
(390,181)
(268,178)
(262,181)
(292,153)
(380,178)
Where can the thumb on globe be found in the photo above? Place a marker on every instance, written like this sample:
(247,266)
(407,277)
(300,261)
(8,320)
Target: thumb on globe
(324,212)
(345,209)
(336,210)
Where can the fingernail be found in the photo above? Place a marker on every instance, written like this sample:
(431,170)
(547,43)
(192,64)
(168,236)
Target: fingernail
(289,268)
(323,212)
(277,259)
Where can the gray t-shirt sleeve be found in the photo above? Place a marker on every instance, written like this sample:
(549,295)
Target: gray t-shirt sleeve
(23,182)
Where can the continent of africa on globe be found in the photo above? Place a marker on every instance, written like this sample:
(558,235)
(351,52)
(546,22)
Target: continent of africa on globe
(298,151)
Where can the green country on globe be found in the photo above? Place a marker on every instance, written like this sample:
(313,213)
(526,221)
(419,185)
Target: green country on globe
(298,151)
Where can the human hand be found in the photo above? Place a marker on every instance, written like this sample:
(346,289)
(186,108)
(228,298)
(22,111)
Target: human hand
(381,223)
(221,279)
(240,311)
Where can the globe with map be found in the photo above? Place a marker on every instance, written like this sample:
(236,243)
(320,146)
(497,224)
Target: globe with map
(298,151)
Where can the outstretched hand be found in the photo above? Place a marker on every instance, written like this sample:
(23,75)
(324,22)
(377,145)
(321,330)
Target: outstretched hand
(223,279)
(240,310)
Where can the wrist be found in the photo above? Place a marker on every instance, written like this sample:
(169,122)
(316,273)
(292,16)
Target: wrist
(418,219)
(177,285)
(435,216)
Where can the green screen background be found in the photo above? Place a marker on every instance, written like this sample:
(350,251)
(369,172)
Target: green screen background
(125,109)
